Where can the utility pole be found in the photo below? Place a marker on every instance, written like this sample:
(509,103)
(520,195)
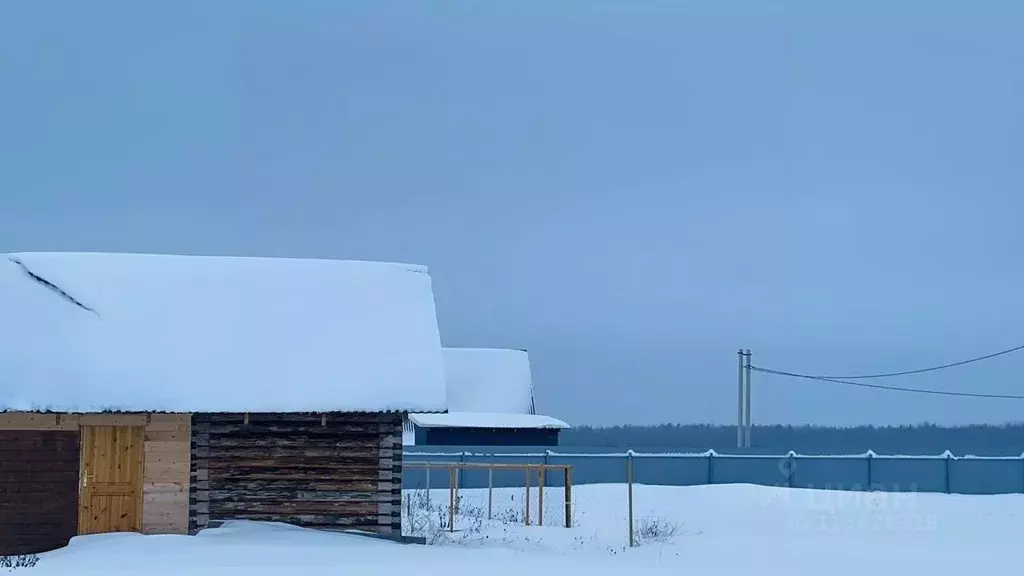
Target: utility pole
(741,420)
(746,400)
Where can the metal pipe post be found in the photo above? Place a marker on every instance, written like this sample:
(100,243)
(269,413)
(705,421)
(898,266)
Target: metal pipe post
(629,483)
(490,491)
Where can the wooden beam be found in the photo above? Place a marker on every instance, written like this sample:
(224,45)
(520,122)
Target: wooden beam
(112,419)
(540,496)
(37,421)
(568,497)
(484,466)
(451,500)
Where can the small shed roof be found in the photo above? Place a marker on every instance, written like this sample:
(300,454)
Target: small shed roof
(487,388)
(89,332)
(488,380)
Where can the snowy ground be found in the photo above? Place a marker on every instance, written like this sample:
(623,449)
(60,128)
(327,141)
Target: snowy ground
(727,530)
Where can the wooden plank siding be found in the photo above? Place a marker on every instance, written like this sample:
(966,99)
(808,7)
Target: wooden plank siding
(166,457)
(38,490)
(328,471)
(165,474)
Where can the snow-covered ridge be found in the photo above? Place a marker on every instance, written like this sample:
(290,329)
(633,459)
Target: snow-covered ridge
(87,332)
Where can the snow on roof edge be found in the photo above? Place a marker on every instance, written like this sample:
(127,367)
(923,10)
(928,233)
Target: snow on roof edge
(417,268)
(485,420)
(162,411)
(495,349)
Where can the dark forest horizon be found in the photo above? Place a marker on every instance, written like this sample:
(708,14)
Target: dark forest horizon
(912,439)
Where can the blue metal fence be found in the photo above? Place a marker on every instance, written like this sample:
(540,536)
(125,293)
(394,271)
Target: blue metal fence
(943,473)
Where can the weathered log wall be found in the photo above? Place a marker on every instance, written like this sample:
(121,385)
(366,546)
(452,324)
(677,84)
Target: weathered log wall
(329,471)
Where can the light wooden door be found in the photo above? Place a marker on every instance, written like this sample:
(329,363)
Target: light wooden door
(111,479)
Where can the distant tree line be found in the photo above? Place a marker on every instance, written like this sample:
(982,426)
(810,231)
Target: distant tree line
(979,440)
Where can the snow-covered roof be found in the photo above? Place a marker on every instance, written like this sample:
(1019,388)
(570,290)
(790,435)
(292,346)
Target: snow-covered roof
(485,420)
(488,380)
(87,332)
(487,388)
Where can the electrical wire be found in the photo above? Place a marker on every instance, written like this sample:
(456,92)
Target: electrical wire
(923,370)
(889,388)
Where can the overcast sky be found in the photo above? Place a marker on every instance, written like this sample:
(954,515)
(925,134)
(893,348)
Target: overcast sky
(630,190)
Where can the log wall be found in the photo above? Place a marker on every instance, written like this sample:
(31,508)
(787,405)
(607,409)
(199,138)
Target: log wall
(327,471)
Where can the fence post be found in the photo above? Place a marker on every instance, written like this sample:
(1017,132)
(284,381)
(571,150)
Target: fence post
(948,458)
(490,490)
(428,485)
(547,461)
(871,475)
(629,483)
(711,466)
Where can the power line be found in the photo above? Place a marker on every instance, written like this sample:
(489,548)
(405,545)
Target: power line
(922,370)
(889,388)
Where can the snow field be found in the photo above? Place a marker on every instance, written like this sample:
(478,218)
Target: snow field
(728,530)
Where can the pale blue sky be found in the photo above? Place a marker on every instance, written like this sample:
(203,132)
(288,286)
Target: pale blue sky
(632,191)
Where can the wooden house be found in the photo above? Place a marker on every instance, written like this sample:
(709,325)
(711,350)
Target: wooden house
(160,394)
(490,403)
